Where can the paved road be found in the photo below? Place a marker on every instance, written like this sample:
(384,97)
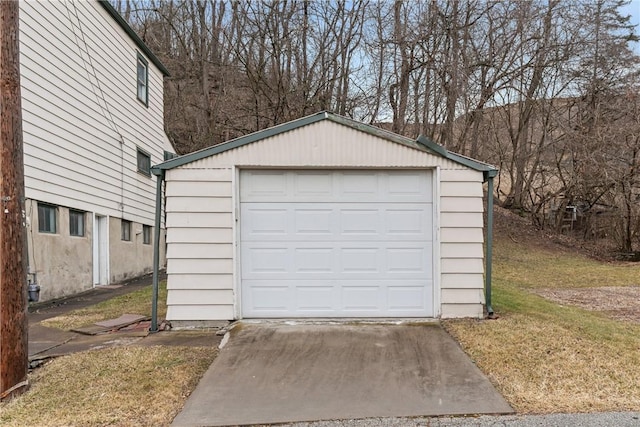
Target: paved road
(605,419)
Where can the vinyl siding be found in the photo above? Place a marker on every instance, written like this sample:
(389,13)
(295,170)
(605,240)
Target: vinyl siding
(199,312)
(461,243)
(82,121)
(200,255)
(202,247)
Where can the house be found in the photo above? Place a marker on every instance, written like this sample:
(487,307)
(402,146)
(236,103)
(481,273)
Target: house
(92,107)
(323,217)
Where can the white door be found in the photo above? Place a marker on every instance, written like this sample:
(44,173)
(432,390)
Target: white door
(100,250)
(321,243)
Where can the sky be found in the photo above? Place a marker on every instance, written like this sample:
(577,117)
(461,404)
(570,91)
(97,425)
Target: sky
(633,9)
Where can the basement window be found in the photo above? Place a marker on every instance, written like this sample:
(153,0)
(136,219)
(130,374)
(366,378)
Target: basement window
(125,233)
(146,234)
(76,223)
(47,218)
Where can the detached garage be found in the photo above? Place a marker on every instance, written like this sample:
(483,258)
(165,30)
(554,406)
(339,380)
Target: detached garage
(323,217)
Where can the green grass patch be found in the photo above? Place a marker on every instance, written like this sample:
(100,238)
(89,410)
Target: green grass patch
(545,357)
(534,267)
(137,302)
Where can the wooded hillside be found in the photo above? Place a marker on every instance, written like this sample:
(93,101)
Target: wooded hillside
(546,90)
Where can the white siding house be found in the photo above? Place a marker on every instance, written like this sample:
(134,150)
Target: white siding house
(324,217)
(92,106)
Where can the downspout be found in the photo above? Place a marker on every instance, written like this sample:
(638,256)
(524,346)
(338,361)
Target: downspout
(488,177)
(159,173)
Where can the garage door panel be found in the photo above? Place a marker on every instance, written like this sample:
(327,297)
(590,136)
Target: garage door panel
(267,260)
(408,260)
(319,186)
(408,222)
(361,298)
(271,298)
(352,221)
(265,221)
(334,298)
(336,260)
(360,260)
(314,260)
(408,298)
(313,221)
(313,184)
(336,243)
(264,185)
(364,184)
(316,297)
(410,184)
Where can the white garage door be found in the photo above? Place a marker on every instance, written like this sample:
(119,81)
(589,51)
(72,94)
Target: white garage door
(323,243)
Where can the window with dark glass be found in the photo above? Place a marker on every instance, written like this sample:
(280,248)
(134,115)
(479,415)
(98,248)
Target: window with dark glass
(144,162)
(47,218)
(146,234)
(126,230)
(143,80)
(76,223)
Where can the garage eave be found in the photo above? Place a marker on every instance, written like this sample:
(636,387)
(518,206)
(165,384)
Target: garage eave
(422,143)
(487,169)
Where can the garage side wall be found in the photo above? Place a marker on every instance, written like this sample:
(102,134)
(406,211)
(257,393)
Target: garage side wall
(201,202)
(461,243)
(200,245)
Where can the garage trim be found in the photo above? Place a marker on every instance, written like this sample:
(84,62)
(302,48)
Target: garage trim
(431,279)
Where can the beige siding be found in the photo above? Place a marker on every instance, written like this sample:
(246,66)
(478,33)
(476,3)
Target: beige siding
(205,297)
(82,125)
(323,144)
(461,265)
(195,250)
(199,312)
(461,235)
(454,296)
(200,253)
(199,219)
(200,266)
(461,238)
(461,204)
(192,281)
(82,121)
(195,235)
(457,310)
(207,186)
(460,250)
(461,281)
(461,219)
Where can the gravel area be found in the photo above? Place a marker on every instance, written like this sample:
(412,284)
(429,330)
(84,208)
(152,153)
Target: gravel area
(618,302)
(604,419)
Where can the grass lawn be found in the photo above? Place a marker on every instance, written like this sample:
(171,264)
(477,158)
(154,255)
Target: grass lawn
(545,357)
(120,386)
(138,302)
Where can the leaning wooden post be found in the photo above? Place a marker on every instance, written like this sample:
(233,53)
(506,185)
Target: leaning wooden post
(13,275)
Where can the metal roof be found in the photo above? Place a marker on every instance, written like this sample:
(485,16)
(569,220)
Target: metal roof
(137,40)
(421,144)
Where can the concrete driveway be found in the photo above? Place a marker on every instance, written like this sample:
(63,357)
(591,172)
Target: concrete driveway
(276,373)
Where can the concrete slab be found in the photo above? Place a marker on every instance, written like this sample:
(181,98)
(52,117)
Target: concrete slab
(182,338)
(277,373)
(42,338)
